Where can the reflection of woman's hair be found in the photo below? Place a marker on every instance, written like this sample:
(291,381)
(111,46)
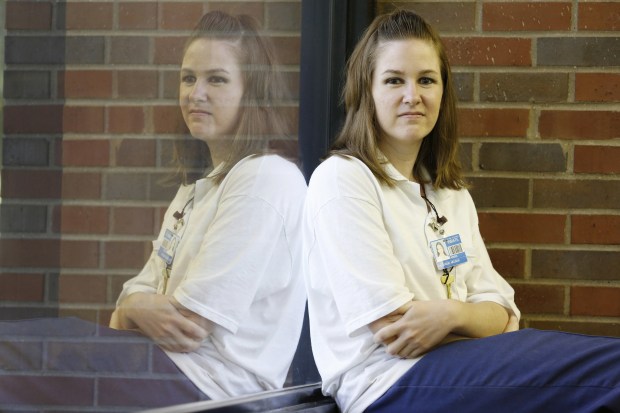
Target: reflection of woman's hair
(264,88)
(360,133)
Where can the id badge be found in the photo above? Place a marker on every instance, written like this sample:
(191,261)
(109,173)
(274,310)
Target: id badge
(448,252)
(168,246)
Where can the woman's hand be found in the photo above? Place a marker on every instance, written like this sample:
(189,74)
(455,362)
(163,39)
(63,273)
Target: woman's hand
(422,327)
(162,319)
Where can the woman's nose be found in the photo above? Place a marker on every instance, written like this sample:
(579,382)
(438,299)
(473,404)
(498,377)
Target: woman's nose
(198,92)
(411,95)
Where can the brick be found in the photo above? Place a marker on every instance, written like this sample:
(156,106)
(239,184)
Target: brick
(511,123)
(599,16)
(133,221)
(450,17)
(22,287)
(126,186)
(575,264)
(610,329)
(135,152)
(578,51)
(169,50)
(522,228)
(82,289)
(597,159)
(25,84)
(31,253)
(126,119)
(86,152)
(18,119)
(85,84)
(126,254)
(595,301)
(168,119)
(116,286)
(283,16)
(180,16)
(288,49)
(524,87)
(85,50)
(81,185)
(88,16)
(135,16)
(98,357)
(22,312)
(23,218)
(51,390)
(566,194)
(83,119)
(254,9)
(595,229)
(465,156)
(499,192)
(130,50)
(573,124)
(539,299)
(31,184)
(597,87)
(488,51)
(34,50)
(140,84)
(25,152)
(524,16)
(171,84)
(81,313)
(508,262)
(79,254)
(28,15)
(160,392)
(104,316)
(464,86)
(84,219)
(522,157)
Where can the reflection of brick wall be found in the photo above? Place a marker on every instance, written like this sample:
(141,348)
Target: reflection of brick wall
(90,109)
(539,88)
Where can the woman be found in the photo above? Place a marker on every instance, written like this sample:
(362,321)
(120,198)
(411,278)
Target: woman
(221,292)
(383,305)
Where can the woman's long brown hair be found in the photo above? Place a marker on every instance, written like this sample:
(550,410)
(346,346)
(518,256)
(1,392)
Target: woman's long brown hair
(439,153)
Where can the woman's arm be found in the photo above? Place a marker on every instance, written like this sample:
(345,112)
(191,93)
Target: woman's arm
(420,326)
(163,319)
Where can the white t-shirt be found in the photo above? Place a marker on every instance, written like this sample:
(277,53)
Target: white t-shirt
(237,264)
(367,252)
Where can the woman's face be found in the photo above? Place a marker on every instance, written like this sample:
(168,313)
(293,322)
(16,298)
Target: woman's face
(211,88)
(407,90)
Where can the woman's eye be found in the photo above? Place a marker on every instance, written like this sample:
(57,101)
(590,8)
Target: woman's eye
(427,81)
(188,79)
(393,81)
(218,80)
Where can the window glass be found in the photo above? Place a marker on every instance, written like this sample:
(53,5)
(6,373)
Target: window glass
(90,115)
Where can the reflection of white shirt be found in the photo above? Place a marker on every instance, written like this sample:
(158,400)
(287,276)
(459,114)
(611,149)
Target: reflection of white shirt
(366,253)
(237,264)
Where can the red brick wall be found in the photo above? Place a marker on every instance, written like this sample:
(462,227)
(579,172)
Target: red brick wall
(89,114)
(539,87)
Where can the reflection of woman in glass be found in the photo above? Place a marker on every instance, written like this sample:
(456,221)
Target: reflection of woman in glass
(382,325)
(228,306)
(440,252)
(222,292)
